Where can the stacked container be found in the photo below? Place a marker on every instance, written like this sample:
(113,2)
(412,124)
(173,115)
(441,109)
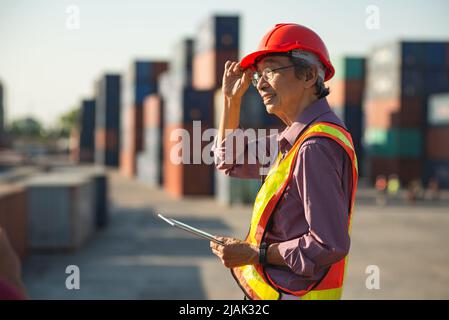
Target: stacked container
(98,176)
(60,211)
(217,41)
(400,77)
(107,120)
(13,216)
(346,98)
(437,162)
(140,81)
(87,132)
(188,94)
(149,161)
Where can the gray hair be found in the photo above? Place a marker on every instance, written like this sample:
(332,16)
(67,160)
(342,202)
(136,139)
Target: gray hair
(304,68)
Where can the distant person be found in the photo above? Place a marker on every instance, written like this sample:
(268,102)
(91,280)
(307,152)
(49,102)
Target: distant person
(434,189)
(393,185)
(299,234)
(381,188)
(11,286)
(414,191)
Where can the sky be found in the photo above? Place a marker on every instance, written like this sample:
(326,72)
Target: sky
(47,66)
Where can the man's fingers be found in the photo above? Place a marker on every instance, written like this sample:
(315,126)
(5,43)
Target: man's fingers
(227,65)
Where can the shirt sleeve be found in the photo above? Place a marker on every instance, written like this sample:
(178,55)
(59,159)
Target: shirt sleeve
(243,154)
(320,172)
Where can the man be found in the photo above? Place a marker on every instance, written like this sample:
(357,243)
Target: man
(299,233)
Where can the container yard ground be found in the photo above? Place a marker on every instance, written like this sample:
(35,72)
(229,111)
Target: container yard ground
(140,257)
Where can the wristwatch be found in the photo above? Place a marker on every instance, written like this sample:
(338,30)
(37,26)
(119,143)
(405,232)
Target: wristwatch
(263,248)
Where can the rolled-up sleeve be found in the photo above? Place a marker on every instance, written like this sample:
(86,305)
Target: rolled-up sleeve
(242,154)
(318,172)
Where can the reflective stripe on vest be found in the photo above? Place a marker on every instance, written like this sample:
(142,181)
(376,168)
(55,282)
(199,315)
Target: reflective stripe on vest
(252,279)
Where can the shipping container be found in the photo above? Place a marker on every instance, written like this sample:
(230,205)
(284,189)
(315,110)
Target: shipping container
(437,143)
(438,110)
(392,112)
(153,112)
(149,169)
(61,211)
(438,170)
(346,93)
(181,62)
(253,112)
(208,68)
(404,142)
(350,68)
(184,171)
(87,131)
(140,80)
(99,177)
(407,169)
(230,190)
(186,105)
(106,147)
(13,216)
(107,102)
(218,33)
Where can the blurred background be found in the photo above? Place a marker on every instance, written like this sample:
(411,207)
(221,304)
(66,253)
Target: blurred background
(90,92)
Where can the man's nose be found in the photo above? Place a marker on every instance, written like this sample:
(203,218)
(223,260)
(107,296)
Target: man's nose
(262,83)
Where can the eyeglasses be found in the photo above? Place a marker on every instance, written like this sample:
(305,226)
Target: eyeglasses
(267,74)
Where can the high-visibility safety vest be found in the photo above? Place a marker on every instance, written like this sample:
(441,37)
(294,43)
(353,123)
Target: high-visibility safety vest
(252,279)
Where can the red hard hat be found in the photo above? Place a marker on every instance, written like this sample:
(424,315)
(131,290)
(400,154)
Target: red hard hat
(286,37)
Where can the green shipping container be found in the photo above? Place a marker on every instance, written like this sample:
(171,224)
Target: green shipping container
(351,68)
(403,142)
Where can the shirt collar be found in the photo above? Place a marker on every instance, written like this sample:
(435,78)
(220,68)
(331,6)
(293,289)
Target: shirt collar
(312,112)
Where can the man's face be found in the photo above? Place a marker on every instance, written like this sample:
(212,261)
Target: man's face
(284,90)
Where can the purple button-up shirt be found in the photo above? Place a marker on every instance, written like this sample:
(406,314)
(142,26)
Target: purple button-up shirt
(310,222)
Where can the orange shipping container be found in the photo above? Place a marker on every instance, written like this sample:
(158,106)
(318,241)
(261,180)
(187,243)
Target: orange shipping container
(387,113)
(346,93)
(128,163)
(437,140)
(152,112)
(13,217)
(106,139)
(185,179)
(208,68)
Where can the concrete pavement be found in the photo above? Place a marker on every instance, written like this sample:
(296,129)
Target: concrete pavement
(140,257)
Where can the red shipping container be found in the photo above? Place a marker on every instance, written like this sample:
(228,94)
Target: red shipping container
(387,113)
(437,143)
(13,217)
(406,169)
(181,179)
(208,68)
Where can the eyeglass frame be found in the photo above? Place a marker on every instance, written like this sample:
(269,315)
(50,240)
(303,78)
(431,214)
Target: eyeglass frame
(264,74)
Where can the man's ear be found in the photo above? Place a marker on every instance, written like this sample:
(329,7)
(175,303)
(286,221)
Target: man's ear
(311,77)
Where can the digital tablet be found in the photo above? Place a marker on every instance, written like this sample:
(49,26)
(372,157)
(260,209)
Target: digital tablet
(186,227)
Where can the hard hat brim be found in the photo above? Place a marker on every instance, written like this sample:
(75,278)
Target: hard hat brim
(249,60)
